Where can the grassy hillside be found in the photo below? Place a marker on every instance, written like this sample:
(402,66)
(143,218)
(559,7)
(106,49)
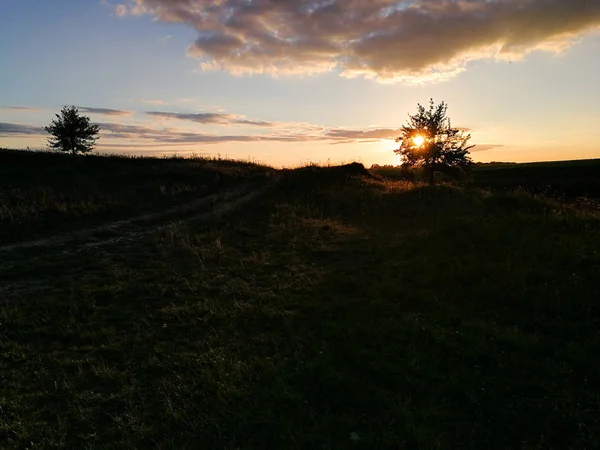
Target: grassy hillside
(561,178)
(329,312)
(43,192)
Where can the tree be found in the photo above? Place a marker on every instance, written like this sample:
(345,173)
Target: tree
(430,142)
(72,132)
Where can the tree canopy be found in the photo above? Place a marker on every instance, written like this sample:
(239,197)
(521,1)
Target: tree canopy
(429,141)
(72,132)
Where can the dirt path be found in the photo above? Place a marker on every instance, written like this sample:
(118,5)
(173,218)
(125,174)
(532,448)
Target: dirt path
(220,203)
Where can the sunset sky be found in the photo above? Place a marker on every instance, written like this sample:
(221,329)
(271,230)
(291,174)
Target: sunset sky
(288,82)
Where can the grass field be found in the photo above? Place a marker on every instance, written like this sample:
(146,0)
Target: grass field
(326,312)
(555,179)
(42,192)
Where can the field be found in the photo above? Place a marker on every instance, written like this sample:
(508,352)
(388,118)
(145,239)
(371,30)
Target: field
(43,192)
(563,178)
(184,304)
(555,179)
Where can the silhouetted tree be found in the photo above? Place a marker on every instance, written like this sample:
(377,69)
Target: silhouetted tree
(430,142)
(72,132)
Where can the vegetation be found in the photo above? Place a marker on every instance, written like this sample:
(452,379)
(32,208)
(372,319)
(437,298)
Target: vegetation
(561,179)
(72,132)
(337,310)
(430,142)
(61,194)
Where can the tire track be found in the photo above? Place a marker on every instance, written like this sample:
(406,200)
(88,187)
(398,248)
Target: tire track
(62,246)
(221,203)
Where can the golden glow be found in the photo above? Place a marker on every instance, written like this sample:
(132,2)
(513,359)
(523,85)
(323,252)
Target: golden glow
(418,140)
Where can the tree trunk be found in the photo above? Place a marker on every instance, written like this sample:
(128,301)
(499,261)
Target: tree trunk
(431,175)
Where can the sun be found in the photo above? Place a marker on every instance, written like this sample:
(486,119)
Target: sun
(418,140)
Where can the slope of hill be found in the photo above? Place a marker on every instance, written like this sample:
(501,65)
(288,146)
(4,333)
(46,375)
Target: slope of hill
(323,311)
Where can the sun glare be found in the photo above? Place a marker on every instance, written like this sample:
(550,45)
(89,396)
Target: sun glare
(418,140)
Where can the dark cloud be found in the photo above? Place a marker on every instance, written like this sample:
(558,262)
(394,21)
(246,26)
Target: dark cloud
(296,132)
(197,138)
(175,136)
(127,129)
(105,111)
(254,123)
(20,130)
(385,39)
(120,131)
(211,118)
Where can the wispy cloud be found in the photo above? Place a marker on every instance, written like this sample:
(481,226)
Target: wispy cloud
(211,118)
(120,131)
(485,147)
(176,136)
(151,102)
(102,111)
(105,111)
(295,132)
(374,133)
(19,108)
(19,130)
(121,10)
(412,40)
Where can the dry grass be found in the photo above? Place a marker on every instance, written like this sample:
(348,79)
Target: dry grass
(350,313)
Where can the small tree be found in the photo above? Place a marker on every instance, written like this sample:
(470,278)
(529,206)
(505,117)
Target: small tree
(72,132)
(430,142)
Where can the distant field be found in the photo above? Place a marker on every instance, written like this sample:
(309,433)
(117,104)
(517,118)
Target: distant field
(571,178)
(318,308)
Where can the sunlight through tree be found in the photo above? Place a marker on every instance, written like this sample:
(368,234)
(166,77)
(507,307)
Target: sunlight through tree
(430,142)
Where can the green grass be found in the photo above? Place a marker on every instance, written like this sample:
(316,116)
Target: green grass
(329,313)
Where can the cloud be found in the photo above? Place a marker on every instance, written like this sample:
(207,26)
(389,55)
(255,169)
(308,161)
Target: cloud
(121,10)
(105,111)
(353,135)
(294,132)
(19,130)
(389,40)
(485,147)
(120,131)
(20,108)
(151,102)
(165,102)
(211,118)
(175,136)
(127,129)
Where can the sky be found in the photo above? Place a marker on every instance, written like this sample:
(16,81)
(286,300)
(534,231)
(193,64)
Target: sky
(287,82)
